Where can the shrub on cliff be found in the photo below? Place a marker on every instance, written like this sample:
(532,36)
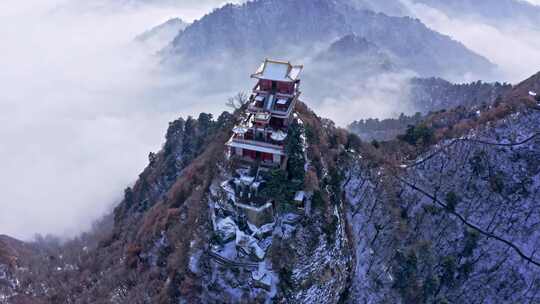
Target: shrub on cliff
(419,134)
(295,152)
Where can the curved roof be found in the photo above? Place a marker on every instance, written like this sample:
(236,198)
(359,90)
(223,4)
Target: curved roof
(278,71)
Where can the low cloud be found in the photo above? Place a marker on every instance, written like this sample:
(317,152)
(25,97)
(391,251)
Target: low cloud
(512,47)
(381,95)
(81,108)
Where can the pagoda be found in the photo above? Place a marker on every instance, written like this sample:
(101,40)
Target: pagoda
(261,135)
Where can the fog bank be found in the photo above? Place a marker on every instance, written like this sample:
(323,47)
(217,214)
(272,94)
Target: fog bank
(82,107)
(513,47)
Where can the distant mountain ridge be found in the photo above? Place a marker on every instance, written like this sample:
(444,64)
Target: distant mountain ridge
(279,28)
(388,7)
(434,94)
(161,35)
(430,95)
(351,46)
(355,56)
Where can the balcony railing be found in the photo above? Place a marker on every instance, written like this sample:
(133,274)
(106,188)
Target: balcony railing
(259,89)
(257,143)
(262,135)
(284,109)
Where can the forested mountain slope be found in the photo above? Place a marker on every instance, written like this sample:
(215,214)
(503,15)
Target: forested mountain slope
(458,222)
(258,29)
(429,95)
(448,213)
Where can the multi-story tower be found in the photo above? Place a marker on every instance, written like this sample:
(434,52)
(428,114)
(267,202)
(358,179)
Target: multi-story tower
(261,135)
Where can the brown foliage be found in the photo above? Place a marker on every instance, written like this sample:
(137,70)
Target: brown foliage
(132,255)
(342,136)
(311,181)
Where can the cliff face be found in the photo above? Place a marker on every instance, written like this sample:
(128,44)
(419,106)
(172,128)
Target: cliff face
(458,223)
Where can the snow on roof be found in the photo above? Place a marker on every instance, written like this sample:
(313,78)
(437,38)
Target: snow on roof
(278,71)
(295,71)
(264,229)
(254,229)
(227,227)
(228,251)
(264,116)
(267,228)
(300,195)
(254,209)
(227,223)
(249,243)
(262,275)
(242,239)
(240,130)
(247,180)
(275,71)
(257,250)
(278,136)
(230,192)
(255,147)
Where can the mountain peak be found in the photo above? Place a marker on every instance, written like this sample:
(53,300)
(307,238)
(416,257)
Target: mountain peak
(352,45)
(161,35)
(255,29)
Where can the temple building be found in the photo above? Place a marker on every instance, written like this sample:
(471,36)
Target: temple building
(261,135)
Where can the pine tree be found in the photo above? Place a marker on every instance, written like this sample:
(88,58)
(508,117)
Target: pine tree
(295,153)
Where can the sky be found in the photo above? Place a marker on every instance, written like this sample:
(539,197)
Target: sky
(82,105)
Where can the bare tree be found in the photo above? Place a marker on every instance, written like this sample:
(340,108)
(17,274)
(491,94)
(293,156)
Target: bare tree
(237,101)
